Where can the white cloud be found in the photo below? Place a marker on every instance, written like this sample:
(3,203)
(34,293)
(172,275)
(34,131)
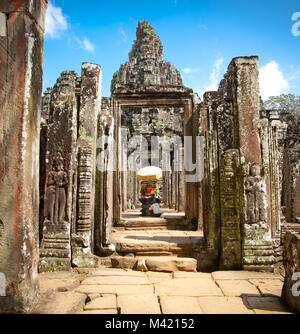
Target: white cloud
(56,22)
(124,36)
(85,44)
(271,80)
(202,27)
(190,70)
(215,77)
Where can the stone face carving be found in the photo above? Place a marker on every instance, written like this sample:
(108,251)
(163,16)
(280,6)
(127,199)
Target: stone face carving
(55,196)
(146,66)
(255,196)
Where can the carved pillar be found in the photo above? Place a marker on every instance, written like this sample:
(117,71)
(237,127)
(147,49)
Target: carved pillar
(258,251)
(21,70)
(212,196)
(90,105)
(231,207)
(105,161)
(55,251)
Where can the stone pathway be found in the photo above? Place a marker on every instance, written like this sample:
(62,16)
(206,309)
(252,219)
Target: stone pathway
(119,291)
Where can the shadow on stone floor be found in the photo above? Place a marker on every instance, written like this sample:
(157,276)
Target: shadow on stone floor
(265,304)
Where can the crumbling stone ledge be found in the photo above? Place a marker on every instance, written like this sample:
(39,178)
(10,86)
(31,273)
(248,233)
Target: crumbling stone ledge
(291,261)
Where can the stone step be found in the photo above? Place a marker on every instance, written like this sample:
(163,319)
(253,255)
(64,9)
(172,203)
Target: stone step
(151,224)
(170,220)
(165,243)
(155,263)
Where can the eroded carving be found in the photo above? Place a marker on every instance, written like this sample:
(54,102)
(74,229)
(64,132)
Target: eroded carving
(256,197)
(55,195)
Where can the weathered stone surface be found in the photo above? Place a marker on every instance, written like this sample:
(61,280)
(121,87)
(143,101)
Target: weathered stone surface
(263,305)
(124,262)
(180,305)
(290,157)
(240,275)
(50,281)
(146,66)
(188,287)
(169,264)
(157,277)
(70,115)
(104,311)
(139,304)
(61,303)
(105,302)
(55,250)
(112,280)
(21,70)
(179,274)
(223,305)
(291,260)
(237,288)
(231,195)
(268,286)
(114,272)
(115,289)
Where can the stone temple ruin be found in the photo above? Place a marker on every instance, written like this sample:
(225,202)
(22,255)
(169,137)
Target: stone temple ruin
(77,181)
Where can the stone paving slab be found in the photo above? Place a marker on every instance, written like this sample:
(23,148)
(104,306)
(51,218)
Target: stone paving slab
(139,304)
(58,275)
(192,287)
(237,288)
(183,274)
(108,311)
(114,272)
(112,280)
(102,303)
(232,275)
(168,293)
(268,286)
(61,303)
(51,284)
(157,277)
(223,305)
(115,289)
(180,305)
(266,305)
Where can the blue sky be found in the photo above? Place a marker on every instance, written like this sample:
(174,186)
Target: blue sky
(199,37)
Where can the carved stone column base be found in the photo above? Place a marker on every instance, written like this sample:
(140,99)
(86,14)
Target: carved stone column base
(55,250)
(81,252)
(258,252)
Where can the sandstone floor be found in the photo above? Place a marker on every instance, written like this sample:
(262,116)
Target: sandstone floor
(118,291)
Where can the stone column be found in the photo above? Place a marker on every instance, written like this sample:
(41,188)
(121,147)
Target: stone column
(61,162)
(231,205)
(191,187)
(243,78)
(243,85)
(90,106)
(104,201)
(291,261)
(21,70)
